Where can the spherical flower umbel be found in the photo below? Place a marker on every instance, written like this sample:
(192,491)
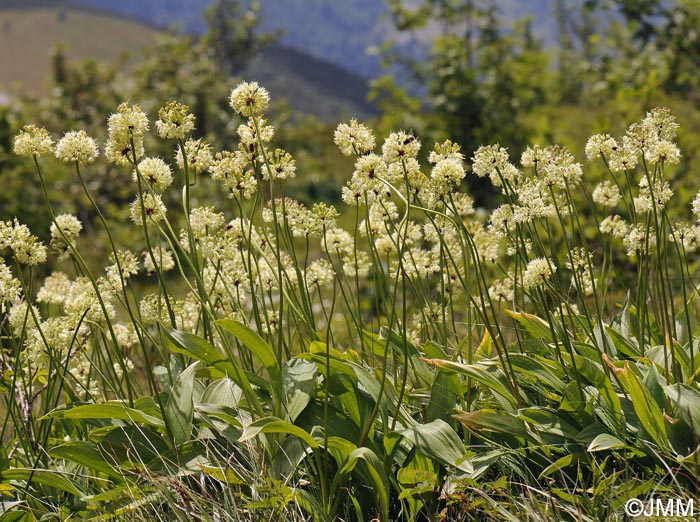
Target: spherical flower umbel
(163,260)
(446,174)
(663,151)
(155,172)
(126,129)
(600,144)
(696,206)
(55,289)
(492,161)
(535,156)
(537,273)
(230,168)
(27,249)
(64,230)
(10,287)
(281,166)
(33,141)
(198,154)
(353,138)
(151,206)
(606,194)
(77,146)
(445,150)
(128,120)
(249,99)
(66,226)
(615,226)
(175,122)
(400,146)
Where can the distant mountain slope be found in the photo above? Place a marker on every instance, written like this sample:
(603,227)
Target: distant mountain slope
(337,30)
(27,34)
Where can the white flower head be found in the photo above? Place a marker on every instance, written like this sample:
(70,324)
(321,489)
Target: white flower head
(353,138)
(606,194)
(538,272)
(151,206)
(600,145)
(33,141)
(249,99)
(155,172)
(174,121)
(198,154)
(400,146)
(77,146)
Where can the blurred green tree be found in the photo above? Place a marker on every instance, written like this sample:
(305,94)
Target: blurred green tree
(233,35)
(480,81)
(478,78)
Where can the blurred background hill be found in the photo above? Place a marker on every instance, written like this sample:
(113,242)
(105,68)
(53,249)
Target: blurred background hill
(339,32)
(29,30)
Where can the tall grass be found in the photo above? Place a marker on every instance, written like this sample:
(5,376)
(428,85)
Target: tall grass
(535,362)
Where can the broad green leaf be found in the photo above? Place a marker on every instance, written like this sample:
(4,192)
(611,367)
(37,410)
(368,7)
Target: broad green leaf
(648,412)
(498,421)
(222,392)
(439,441)
(538,328)
(488,375)
(111,410)
(8,513)
(655,383)
(548,424)
(590,432)
(443,396)
(605,441)
(624,346)
(595,374)
(45,477)
(340,448)
(559,464)
(362,379)
(194,346)
(275,425)
(226,475)
(122,445)
(256,344)
(373,475)
(198,348)
(686,400)
(85,454)
(537,370)
(179,410)
(299,375)
(299,378)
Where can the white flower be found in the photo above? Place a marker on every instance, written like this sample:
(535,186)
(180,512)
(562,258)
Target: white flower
(126,127)
(77,146)
(249,99)
(175,122)
(600,144)
(615,226)
(33,141)
(400,146)
(606,194)
(446,174)
(537,273)
(151,206)
(198,154)
(155,172)
(353,138)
